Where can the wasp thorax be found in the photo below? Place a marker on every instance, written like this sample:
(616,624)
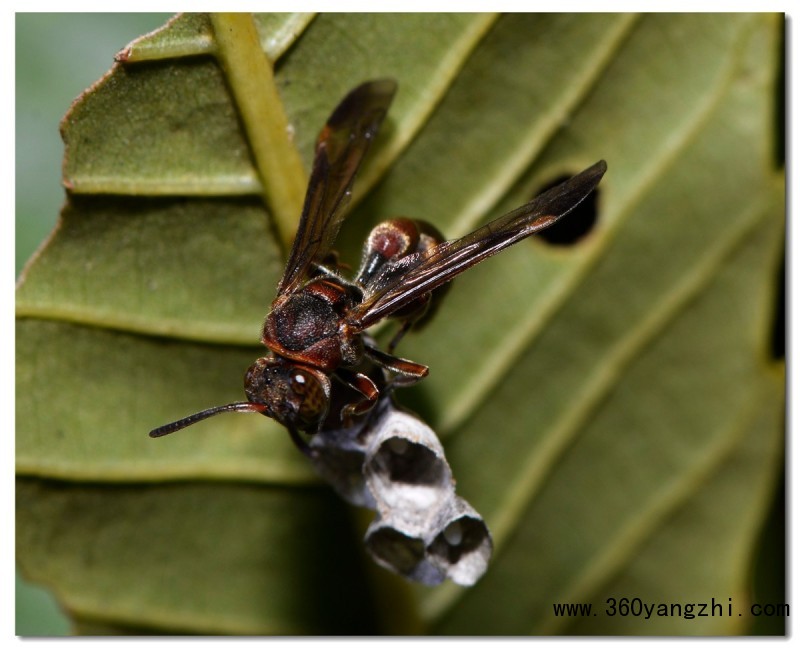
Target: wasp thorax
(294,395)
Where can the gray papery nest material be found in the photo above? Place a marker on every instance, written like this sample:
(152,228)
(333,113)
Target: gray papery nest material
(394,464)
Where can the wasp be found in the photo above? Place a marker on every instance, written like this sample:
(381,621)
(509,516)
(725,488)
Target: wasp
(322,370)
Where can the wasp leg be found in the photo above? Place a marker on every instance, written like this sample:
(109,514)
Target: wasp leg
(330,266)
(364,386)
(301,444)
(417,312)
(408,372)
(404,328)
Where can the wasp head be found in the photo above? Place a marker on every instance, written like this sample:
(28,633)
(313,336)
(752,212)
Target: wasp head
(295,395)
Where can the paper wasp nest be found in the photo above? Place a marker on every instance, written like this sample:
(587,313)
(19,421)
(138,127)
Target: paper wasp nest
(394,464)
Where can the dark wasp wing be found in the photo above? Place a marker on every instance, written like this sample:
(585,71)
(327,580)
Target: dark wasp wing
(418,274)
(341,147)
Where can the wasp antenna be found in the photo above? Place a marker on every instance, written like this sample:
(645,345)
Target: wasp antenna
(169,428)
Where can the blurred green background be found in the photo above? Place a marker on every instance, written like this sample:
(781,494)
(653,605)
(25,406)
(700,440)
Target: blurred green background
(57,57)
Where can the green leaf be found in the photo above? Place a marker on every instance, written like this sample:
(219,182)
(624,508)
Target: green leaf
(142,561)
(608,406)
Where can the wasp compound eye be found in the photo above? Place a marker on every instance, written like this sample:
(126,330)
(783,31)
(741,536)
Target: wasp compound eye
(312,398)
